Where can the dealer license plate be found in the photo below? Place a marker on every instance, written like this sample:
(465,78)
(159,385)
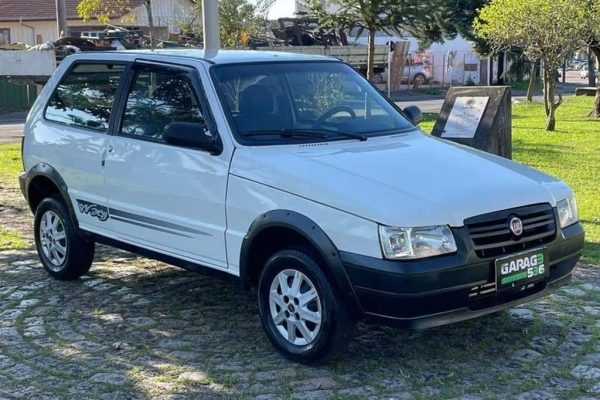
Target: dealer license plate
(520,269)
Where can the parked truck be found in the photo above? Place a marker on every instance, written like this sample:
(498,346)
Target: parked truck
(294,35)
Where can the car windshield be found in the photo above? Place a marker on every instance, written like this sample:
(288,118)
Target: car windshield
(304,101)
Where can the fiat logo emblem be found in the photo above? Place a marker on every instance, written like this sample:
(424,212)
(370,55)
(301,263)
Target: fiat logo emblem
(516,226)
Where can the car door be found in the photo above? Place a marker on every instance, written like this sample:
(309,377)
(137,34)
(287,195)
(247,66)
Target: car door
(162,197)
(73,135)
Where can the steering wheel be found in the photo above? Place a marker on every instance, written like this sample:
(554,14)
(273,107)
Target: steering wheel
(332,112)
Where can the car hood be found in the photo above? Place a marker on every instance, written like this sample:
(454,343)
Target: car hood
(409,179)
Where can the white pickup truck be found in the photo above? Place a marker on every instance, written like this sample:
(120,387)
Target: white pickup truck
(38,66)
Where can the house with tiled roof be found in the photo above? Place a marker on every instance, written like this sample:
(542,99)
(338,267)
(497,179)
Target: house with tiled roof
(34,21)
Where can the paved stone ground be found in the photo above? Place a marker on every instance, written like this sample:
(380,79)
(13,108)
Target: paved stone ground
(138,329)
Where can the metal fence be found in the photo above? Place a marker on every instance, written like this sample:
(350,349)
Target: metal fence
(452,68)
(15,97)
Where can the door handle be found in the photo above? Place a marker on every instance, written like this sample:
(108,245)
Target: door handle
(110,148)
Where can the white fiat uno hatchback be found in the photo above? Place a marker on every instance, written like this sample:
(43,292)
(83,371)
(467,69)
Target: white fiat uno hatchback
(292,174)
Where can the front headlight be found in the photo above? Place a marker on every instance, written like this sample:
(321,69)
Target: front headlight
(567,212)
(411,243)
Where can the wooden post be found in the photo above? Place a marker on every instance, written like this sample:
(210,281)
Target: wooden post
(444,70)
(463,68)
(432,71)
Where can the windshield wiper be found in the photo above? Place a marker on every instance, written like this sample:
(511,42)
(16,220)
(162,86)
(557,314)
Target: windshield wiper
(288,133)
(322,134)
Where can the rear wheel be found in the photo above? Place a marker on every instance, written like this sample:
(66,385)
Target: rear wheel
(300,310)
(420,79)
(64,254)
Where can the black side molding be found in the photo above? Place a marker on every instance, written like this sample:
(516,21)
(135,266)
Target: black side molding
(154,255)
(307,228)
(47,171)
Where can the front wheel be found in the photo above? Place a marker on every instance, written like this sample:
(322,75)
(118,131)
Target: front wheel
(64,254)
(300,310)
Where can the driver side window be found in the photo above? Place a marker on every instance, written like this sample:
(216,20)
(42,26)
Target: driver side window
(157,97)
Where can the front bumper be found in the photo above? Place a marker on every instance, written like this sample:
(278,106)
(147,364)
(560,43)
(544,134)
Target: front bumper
(427,293)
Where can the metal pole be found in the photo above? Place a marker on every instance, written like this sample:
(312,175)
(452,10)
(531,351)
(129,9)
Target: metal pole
(389,69)
(61,18)
(210,19)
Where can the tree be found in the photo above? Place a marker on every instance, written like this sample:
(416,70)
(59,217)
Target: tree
(593,43)
(104,10)
(521,65)
(237,17)
(455,17)
(546,30)
(592,39)
(388,16)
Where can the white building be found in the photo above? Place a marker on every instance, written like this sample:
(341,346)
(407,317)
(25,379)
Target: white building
(34,21)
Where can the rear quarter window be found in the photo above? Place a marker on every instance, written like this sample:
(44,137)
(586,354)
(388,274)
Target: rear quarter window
(86,95)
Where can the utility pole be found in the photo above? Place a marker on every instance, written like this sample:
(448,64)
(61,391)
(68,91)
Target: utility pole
(61,18)
(210,24)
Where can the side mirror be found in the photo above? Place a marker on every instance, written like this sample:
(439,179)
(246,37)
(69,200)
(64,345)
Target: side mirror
(414,113)
(193,135)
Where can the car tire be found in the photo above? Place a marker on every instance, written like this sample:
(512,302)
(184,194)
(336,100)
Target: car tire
(377,78)
(321,328)
(422,79)
(64,254)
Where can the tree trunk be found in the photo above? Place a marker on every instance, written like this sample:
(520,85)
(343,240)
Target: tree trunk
(549,99)
(532,81)
(550,85)
(371,55)
(596,110)
(546,92)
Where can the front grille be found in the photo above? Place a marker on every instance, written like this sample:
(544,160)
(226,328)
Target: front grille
(492,237)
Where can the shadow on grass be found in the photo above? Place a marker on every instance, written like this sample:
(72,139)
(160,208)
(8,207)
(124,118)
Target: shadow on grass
(539,149)
(591,252)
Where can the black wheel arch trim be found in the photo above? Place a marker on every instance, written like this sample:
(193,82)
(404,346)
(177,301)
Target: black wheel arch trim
(47,171)
(306,227)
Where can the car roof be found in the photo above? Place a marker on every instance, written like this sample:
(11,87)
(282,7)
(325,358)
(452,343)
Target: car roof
(223,56)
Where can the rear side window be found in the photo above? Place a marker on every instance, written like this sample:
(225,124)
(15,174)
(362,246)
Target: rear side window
(86,95)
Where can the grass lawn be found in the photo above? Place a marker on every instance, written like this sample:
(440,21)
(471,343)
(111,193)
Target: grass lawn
(572,154)
(10,166)
(524,85)
(10,240)
(10,163)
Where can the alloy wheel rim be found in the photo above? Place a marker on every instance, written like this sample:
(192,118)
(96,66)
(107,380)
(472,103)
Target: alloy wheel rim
(53,240)
(295,307)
